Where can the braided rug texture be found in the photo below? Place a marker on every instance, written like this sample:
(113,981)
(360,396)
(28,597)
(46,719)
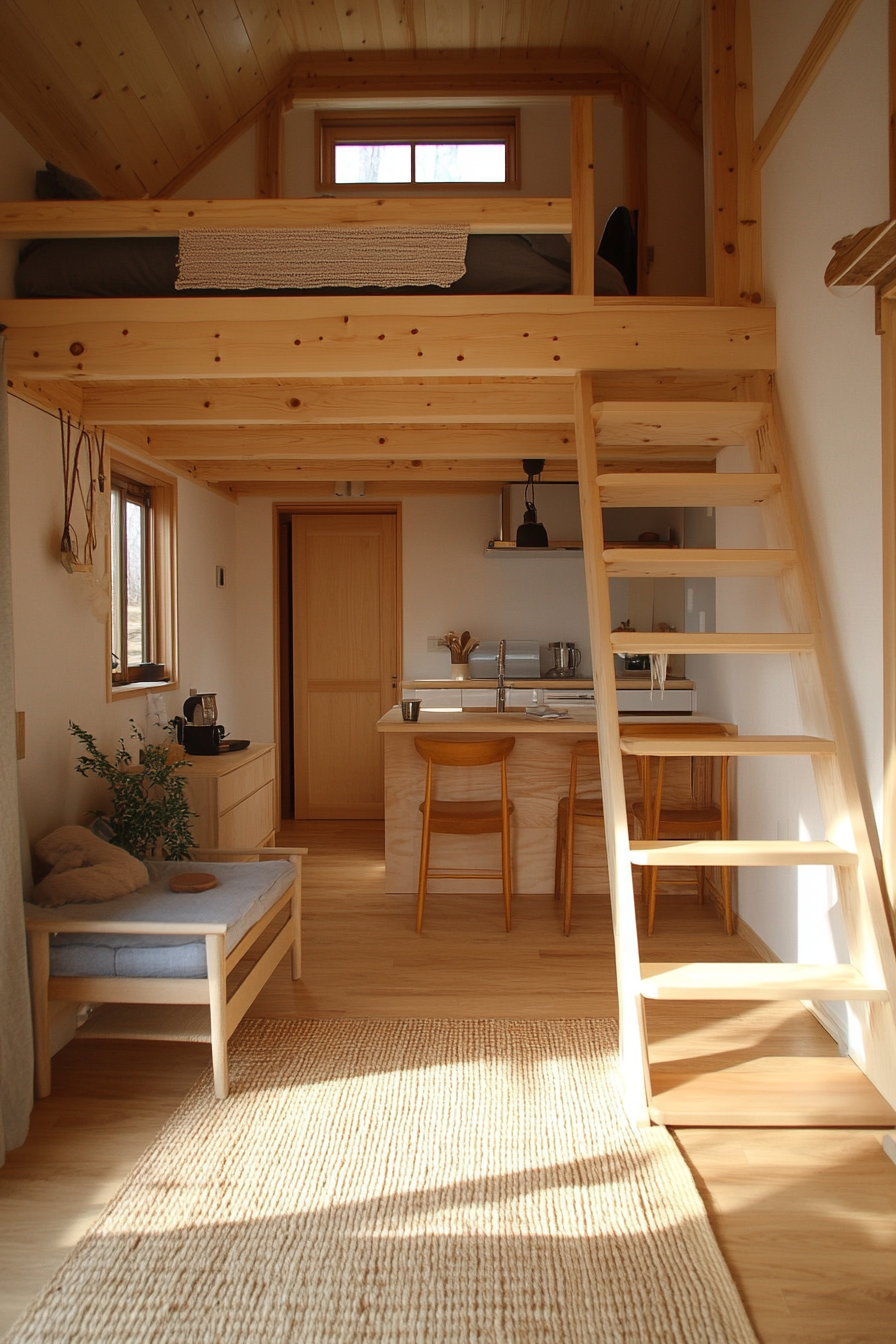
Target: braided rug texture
(355,255)
(402,1182)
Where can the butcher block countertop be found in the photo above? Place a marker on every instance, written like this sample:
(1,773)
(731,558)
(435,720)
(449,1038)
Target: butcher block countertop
(515,721)
(628,681)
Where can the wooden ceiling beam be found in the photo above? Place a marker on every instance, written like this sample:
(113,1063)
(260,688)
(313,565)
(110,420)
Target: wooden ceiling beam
(339,337)
(830,30)
(413,443)
(268,402)
(372,489)
(137,219)
(383,469)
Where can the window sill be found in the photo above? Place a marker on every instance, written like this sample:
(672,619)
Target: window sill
(133,688)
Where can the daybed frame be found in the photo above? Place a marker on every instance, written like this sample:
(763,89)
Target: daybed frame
(225,1014)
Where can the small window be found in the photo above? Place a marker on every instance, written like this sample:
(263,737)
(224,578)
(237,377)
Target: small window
(142,625)
(417,151)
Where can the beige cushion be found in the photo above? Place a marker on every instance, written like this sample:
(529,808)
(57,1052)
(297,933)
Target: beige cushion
(84,869)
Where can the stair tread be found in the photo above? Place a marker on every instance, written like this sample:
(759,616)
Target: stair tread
(756,980)
(685,489)
(715,423)
(653,641)
(631,562)
(725,745)
(799,1091)
(739,853)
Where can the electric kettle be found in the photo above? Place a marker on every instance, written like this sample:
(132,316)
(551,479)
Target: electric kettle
(566,659)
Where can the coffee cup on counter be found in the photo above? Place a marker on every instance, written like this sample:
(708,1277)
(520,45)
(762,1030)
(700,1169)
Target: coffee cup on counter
(410,710)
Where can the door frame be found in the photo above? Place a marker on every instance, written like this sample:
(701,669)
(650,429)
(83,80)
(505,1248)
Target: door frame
(282,512)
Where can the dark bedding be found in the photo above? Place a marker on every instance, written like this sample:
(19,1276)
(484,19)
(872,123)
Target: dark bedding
(107,268)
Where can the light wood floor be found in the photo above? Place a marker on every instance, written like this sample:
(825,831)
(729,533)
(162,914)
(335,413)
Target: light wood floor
(806,1218)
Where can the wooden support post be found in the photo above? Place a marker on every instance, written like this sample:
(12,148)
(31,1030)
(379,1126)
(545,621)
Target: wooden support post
(634,1067)
(581,159)
(634,139)
(888,487)
(891,44)
(733,239)
(269,150)
(749,177)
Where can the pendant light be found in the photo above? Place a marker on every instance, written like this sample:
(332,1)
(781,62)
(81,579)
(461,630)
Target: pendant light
(531,533)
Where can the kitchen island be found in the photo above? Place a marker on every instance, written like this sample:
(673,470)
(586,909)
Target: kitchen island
(537,777)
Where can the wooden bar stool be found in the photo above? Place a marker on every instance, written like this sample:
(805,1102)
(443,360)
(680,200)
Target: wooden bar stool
(571,811)
(465,818)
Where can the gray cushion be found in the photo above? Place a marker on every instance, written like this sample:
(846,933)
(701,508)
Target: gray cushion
(245,891)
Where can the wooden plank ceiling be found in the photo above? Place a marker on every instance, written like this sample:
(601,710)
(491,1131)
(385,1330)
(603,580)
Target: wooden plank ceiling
(131,93)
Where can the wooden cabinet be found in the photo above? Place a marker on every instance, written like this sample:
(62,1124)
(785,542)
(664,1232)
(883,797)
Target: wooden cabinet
(235,798)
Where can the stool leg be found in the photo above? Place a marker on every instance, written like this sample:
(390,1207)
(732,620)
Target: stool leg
(424,867)
(558,861)
(570,870)
(701,885)
(726,896)
(506,875)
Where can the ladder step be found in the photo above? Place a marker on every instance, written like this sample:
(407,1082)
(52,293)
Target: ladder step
(717,424)
(760,980)
(647,641)
(723,745)
(673,489)
(643,562)
(739,853)
(800,1091)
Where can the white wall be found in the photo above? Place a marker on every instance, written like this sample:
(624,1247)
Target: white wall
(449,583)
(674,211)
(59,626)
(826,178)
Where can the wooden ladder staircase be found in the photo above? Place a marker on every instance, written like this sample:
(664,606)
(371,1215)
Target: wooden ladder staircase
(795,1090)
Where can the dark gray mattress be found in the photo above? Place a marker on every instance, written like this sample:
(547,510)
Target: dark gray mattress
(109,268)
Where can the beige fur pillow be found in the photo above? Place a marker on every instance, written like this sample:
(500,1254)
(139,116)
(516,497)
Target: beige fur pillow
(84,869)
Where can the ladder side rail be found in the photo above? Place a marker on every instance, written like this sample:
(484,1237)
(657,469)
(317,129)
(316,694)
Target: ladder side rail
(847,817)
(632,1029)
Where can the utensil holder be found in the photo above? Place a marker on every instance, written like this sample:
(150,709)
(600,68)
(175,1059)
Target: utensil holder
(460,671)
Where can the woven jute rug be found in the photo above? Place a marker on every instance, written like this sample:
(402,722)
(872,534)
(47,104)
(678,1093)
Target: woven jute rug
(380,1182)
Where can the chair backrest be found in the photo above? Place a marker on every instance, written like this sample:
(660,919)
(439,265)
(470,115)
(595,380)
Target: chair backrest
(436,751)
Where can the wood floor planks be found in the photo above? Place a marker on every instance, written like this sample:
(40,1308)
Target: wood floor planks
(806,1218)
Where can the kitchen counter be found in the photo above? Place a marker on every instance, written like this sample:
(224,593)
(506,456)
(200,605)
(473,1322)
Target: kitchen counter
(537,777)
(628,681)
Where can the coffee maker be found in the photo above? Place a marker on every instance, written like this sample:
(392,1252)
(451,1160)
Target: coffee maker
(566,659)
(199,730)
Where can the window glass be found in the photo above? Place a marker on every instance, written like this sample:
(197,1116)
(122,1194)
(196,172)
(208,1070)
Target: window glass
(373,163)
(460,163)
(136,582)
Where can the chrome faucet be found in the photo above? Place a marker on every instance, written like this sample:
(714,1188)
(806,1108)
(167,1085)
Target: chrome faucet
(501,693)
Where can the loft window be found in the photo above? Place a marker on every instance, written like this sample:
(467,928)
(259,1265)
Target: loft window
(437,149)
(141,552)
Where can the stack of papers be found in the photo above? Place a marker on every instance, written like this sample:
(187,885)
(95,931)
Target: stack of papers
(546,712)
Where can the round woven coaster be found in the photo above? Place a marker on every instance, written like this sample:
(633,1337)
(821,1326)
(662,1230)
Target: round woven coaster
(193,882)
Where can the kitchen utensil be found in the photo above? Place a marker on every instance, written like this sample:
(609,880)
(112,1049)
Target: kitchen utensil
(410,710)
(203,739)
(566,659)
(201,710)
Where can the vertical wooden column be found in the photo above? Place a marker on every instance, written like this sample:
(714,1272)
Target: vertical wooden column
(634,140)
(581,167)
(891,43)
(269,150)
(888,490)
(634,1068)
(733,232)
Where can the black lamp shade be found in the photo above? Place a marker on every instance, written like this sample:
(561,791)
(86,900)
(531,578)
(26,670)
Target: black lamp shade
(531,532)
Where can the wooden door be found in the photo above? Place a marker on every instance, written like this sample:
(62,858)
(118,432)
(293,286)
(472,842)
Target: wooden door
(345,659)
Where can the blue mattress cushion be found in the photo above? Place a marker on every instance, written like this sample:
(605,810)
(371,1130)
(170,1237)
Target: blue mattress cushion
(245,892)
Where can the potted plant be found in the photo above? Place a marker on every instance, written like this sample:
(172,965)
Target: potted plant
(150,817)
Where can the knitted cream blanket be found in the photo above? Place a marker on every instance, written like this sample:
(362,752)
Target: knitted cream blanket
(312,258)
